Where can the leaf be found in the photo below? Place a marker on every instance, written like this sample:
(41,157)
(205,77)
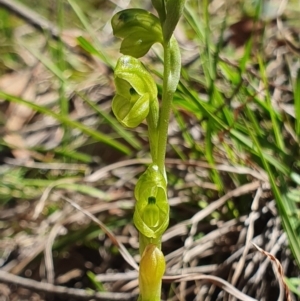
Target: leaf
(89,47)
(297,102)
(174,10)
(293,284)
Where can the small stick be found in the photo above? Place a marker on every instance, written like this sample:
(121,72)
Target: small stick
(279,270)
(112,237)
(61,290)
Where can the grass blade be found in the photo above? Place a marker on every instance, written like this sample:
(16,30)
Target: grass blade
(297,102)
(91,32)
(65,120)
(286,206)
(127,135)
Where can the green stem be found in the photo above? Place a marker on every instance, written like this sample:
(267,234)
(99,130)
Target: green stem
(165,111)
(152,120)
(144,241)
(172,67)
(158,135)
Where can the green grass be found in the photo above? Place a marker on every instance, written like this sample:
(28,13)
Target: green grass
(258,131)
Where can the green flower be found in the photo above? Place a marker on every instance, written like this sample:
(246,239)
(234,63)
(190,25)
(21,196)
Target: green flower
(151,215)
(139,30)
(135,89)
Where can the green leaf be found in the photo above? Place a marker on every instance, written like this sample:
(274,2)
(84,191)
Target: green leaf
(273,116)
(85,189)
(297,102)
(174,11)
(159,5)
(293,284)
(97,284)
(87,46)
(175,66)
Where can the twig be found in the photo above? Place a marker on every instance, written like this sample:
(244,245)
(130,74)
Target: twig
(244,189)
(98,174)
(112,237)
(41,203)
(18,268)
(61,290)
(249,236)
(47,166)
(223,284)
(279,270)
(31,17)
(48,252)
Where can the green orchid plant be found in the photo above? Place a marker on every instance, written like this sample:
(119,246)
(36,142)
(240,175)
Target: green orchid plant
(136,100)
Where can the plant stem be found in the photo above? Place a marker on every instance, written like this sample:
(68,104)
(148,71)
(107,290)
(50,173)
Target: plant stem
(172,67)
(165,111)
(144,241)
(152,120)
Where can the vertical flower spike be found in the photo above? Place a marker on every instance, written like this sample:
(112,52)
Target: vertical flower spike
(136,100)
(152,268)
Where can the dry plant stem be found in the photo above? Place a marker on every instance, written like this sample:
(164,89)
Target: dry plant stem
(249,236)
(83,294)
(119,245)
(61,290)
(19,267)
(279,270)
(40,205)
(50,165)
(100,173)
(49,264)
(215,280)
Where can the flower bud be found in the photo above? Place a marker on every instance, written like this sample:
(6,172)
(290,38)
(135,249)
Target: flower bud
(152,268)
